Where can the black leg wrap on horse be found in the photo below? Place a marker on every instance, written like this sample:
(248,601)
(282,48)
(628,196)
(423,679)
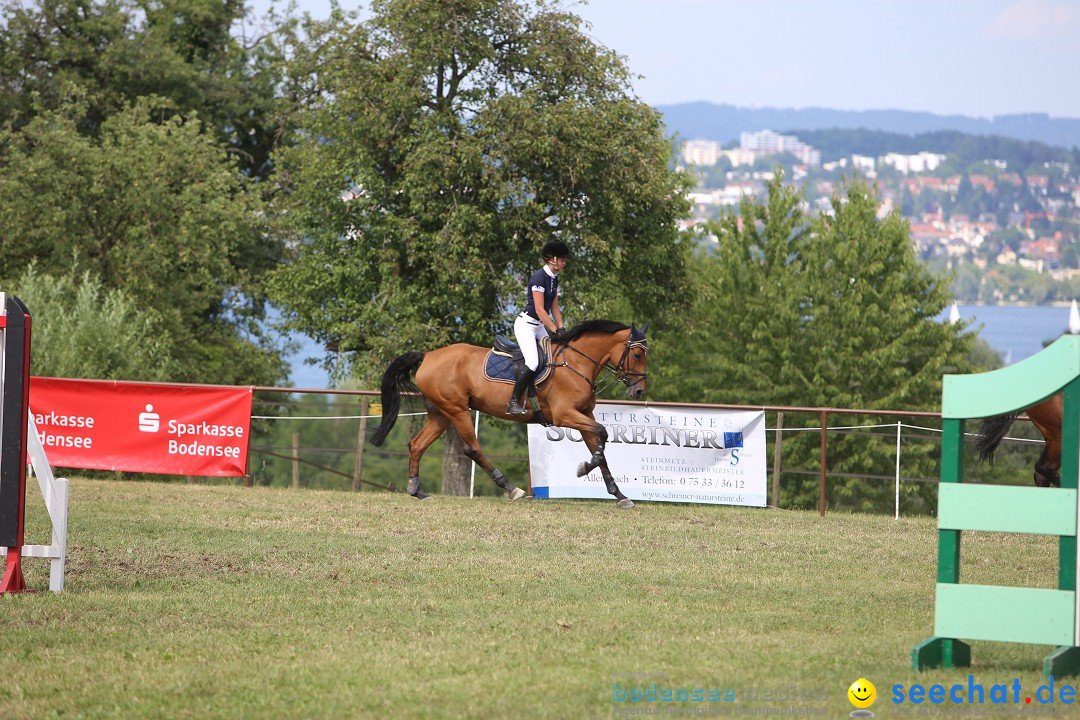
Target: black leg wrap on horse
(504,484)
(500,479)
(597,460)
(597,457)
(612,488)
(414,489)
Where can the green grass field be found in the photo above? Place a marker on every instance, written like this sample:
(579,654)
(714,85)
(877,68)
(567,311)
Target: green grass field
(193,601)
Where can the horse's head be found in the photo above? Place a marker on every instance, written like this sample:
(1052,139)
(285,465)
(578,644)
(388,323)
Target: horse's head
(631,366)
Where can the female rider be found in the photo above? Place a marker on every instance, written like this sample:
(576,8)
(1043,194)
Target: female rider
(540,315)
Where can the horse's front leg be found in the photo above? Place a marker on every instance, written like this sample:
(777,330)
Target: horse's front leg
(595,440)
(595,436)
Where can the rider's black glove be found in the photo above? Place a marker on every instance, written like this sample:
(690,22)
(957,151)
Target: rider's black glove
(560,334)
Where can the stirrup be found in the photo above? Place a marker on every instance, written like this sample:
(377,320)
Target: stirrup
(515,408)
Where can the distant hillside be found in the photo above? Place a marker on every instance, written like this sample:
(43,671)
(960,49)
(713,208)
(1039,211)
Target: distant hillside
(965,148)
(707,121)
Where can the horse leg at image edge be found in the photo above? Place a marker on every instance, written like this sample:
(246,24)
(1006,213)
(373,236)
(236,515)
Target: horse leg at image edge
(1046,416)
(1046,474)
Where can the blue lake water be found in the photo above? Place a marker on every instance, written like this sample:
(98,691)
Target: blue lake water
(1016,332)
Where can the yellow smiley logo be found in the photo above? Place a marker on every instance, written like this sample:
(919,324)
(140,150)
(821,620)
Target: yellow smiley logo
(862,693)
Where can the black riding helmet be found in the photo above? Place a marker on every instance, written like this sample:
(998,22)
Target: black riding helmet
(554,249)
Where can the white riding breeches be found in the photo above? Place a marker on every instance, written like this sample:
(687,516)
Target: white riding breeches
(527,332)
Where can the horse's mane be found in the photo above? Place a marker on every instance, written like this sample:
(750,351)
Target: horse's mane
(608,327)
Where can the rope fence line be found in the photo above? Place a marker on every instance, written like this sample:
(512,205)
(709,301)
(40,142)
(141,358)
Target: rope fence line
(381,452)
(831,428)
(334,471)
(899,425)
(823,430)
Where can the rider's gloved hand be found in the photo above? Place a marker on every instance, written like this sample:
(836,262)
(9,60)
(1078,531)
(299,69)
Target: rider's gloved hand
(560,334)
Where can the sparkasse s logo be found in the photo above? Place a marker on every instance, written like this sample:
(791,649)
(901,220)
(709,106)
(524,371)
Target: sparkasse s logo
(149,421)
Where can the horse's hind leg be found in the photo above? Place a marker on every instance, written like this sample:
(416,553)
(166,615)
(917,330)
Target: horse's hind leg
(1046,417)
(434,427)
(1046,469)
(463,424)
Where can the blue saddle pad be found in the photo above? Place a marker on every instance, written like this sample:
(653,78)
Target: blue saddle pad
(500,368)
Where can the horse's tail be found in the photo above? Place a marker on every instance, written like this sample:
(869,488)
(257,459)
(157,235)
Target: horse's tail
(396,379)
(991,431)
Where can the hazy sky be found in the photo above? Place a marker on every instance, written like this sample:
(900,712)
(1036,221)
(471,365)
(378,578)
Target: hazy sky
(968,57)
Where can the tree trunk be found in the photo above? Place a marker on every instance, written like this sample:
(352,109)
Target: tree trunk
(455,465)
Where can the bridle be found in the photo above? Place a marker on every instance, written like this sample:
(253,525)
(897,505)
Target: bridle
(629,378)
(624,375)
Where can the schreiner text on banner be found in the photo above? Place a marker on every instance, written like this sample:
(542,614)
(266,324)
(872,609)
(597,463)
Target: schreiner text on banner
(660,454)
(143,427)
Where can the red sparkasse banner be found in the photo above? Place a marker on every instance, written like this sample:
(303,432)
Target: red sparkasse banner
(142,427)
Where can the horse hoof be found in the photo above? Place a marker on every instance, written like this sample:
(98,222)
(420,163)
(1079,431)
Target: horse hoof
(516,494)
(421,496)
(625,504)
(582,469)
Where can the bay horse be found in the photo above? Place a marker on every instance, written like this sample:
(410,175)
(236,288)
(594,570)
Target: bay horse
(452,382)
(1046,416)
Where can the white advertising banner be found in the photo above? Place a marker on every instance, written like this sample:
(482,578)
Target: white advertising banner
(657,453)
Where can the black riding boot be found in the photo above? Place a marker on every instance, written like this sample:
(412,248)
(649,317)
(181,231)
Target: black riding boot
(520,385)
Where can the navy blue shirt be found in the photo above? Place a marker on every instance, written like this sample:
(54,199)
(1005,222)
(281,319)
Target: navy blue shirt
(546,282)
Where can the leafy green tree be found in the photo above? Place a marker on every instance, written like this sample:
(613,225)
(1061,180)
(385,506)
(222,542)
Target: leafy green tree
(112,52)
(984,358)
(907,202)
(928,202)
(158,210)
(826,311)
(965,284)
(83,330)
(963,150)
(1070,256)
(447,142)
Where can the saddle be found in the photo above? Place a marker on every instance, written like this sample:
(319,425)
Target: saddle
(504,363)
